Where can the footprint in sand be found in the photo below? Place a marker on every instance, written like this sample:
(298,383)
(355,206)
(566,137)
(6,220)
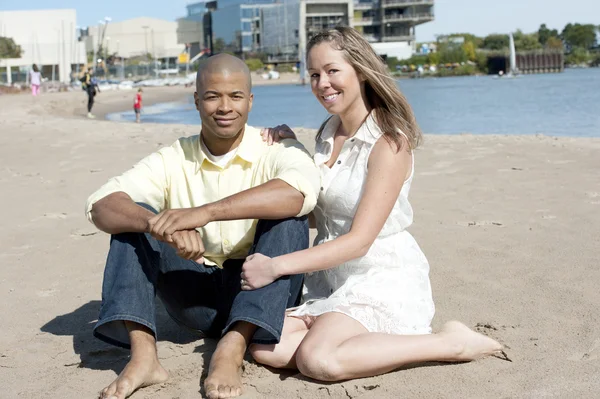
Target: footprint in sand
(589,355)
(55,215)
(595,196)
(479,223)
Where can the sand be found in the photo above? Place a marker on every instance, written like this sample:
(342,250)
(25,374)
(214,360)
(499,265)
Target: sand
(510,224)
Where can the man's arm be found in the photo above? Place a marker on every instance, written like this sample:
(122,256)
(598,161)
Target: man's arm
(274,199)
(117,213)
(291,191)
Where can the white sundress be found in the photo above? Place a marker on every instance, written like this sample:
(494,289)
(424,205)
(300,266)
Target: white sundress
(388,289)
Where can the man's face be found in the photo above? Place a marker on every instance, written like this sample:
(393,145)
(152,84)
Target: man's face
(223,101)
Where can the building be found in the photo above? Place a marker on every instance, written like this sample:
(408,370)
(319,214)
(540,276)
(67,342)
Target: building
(132,38)
(235,23)
(194,30)
(282,23)
(389,25)
(47,38)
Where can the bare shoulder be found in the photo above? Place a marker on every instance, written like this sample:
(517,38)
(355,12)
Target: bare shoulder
(386,155)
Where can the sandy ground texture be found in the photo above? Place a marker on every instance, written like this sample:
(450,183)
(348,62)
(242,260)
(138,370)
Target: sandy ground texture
(510,224)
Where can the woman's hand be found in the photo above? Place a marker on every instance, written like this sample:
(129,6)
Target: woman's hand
(258,271)
(276,134)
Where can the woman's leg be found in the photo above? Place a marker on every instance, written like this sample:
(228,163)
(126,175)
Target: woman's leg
(283,354)
(338,347)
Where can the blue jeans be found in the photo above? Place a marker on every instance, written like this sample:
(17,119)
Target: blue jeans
(203,298)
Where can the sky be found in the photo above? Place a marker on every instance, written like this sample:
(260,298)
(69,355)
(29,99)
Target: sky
(480,17)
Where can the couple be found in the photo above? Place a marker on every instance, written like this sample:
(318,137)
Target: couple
(216,225)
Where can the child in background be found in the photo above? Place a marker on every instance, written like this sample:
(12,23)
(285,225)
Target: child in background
(137,105)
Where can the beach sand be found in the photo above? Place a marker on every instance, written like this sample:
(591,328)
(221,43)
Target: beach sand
(510,225)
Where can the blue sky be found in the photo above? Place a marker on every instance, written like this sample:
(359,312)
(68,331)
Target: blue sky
(476,16)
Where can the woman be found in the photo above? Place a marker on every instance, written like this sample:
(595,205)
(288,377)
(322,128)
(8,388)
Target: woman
(368,304)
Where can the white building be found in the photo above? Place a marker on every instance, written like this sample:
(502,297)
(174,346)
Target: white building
(134,37)
(47,38)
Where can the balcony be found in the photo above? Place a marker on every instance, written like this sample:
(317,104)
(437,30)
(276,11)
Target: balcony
(366,6)
(366,21)
(420,18)
(405,3)
(402,38)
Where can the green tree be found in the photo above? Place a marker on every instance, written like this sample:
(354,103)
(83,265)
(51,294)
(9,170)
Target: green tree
(554,43)
(9,49)
(219,45)
(495,42)
(545,34)
(469,50)
(578,35)
(526,42)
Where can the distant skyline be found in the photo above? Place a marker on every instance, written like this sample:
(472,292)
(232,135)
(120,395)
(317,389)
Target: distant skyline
(480,17)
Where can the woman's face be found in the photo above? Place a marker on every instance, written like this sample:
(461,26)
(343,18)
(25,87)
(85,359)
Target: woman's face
(333,80)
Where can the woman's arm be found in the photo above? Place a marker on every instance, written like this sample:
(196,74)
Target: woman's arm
(387,172)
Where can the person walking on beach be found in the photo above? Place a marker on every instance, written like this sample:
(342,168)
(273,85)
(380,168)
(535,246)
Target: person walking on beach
(137,105)
(368,305)
(35,79)
(90,86)
(183,220)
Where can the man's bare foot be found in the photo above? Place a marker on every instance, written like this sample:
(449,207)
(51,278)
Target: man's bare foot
(141,371)
(225,371)
(467,344)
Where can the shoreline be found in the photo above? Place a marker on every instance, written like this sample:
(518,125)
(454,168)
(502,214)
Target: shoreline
(509,224)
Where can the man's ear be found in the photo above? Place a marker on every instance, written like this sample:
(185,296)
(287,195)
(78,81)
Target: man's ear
(197,100)
(250,99)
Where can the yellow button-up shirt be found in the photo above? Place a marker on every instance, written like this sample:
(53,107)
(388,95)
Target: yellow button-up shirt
(181,176)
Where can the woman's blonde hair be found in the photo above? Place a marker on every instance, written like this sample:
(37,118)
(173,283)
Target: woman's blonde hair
(391,109)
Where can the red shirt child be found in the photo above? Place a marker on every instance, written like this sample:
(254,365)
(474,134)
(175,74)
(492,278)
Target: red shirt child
(137,105)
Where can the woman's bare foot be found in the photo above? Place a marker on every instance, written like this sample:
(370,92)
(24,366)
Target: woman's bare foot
(141,371)
(467,344)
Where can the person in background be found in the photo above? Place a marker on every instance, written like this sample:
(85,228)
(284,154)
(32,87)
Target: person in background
(137,105)
(35,77)
(90,86)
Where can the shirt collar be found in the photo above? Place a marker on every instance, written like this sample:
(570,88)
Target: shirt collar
(369,132)
(249,150)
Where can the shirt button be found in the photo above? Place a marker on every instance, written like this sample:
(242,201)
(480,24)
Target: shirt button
(339,162)
(321,188)
(352,140)
(226,242)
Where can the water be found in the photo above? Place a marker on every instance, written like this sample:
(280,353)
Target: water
(566,104)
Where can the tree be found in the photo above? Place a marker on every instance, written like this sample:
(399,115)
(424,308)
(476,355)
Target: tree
(545,34)
(219,45)
(495,42)
(9,49)
(526,42)
(554,43)
(469,50)
(577,35)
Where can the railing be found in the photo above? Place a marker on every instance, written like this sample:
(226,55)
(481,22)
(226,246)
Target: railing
(392,3)
(371,38)
(401,38)
(366,21)
(408,17)
(366,6)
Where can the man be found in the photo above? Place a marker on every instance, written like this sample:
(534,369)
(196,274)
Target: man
(209,191)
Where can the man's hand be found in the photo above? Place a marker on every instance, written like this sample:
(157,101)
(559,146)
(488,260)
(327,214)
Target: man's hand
(258,270)
(188,244)
(166,223)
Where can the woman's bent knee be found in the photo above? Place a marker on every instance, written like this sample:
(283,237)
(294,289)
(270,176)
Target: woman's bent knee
(318,364)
